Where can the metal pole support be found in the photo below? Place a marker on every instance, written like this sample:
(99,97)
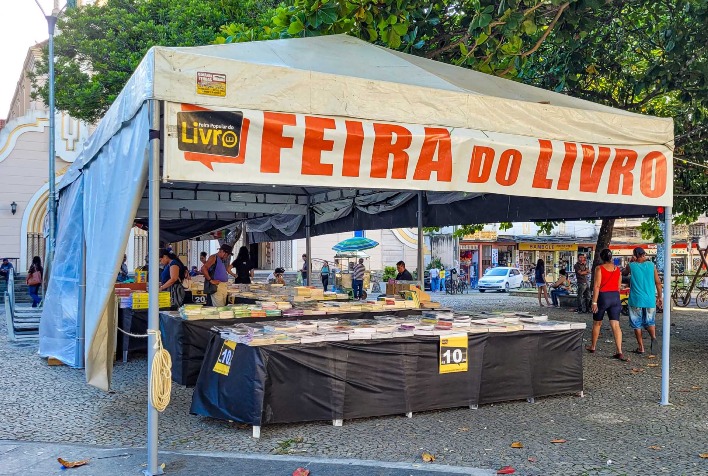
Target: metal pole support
(421,244)
(153,278)
(666,322)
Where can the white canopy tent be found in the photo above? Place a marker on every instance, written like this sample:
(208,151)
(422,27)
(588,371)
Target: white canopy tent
(310,136)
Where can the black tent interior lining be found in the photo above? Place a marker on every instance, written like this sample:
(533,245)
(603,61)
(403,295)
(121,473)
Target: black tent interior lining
(477,209)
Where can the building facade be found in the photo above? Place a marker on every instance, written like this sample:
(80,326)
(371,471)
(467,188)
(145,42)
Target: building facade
(24,171)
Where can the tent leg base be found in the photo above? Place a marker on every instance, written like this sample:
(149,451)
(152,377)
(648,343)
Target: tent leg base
(409,415)
(147,472)
(337,422)
(256,431)
(666,404)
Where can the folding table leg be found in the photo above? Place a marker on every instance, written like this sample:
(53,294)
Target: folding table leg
(337,422)
(256,431)
(531,400)
(474,407)
(409,415)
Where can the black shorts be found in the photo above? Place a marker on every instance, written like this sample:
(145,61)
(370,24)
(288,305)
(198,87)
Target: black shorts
(608,301)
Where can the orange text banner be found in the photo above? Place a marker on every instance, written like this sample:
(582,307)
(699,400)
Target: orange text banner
(261,147)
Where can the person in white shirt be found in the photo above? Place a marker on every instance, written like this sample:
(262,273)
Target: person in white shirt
(434,279)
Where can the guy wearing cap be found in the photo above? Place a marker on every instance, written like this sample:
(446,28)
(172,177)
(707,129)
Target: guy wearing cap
(644,295)
(214,271)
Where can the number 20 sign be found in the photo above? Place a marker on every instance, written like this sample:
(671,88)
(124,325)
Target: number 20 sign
(453,354)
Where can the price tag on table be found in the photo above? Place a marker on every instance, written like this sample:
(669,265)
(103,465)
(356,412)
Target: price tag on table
(453,354)
(223,363)
(198,297)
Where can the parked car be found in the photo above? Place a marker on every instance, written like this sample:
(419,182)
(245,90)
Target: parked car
(500,279)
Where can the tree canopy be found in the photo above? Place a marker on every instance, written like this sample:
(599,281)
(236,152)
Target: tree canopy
(99,46)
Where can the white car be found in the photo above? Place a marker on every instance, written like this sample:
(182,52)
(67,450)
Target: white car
(500,279)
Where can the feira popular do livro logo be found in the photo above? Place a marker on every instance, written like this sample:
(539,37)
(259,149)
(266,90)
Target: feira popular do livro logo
(210,132)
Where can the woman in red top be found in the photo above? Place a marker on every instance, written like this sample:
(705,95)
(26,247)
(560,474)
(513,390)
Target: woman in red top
(606,298)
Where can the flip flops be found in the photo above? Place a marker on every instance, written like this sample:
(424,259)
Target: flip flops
(637,351)
(620,357)
(590,349)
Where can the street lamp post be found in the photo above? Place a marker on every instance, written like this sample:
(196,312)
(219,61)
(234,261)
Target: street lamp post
(52,203)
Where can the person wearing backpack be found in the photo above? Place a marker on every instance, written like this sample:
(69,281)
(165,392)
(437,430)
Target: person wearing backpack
(173,273)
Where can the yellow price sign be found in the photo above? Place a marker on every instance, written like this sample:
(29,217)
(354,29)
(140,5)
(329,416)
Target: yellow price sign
(453,354)
(226,355)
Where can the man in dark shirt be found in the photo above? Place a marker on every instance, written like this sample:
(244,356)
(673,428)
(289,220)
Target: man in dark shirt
(403,273)
(5,268)
(581,277)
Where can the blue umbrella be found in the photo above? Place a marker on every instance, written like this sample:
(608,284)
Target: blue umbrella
(356,243)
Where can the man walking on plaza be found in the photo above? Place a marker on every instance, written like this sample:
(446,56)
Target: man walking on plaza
(358,278)
(581,278)
(644,296)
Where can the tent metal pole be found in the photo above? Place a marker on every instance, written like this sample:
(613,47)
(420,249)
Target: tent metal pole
(421,272)
(308,244)
(153,277)
(79,352)
(666,322)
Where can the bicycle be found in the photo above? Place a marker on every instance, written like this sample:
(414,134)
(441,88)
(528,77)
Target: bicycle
(702,298)
(573,279)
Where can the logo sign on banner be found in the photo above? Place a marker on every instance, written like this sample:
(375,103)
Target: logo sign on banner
(226,355)
(453,354)
(261,147)
(211,84)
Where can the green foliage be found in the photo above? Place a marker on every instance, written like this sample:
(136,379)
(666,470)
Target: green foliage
(650,230)
(646,57)
(435,263)
(492,36)
(99,47)
(546,227)
(390,272)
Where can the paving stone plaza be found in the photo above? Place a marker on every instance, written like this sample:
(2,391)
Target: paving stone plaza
(617,428)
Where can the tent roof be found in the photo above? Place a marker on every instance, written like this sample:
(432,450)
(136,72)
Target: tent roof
(318,76)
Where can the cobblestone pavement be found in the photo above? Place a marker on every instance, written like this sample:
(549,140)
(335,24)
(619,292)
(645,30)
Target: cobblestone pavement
(617,428)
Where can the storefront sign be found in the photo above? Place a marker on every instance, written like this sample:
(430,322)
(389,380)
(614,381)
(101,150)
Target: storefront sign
(548,247)
(223,363)
(277,148)
(650,251)
(453,354)
(481,236)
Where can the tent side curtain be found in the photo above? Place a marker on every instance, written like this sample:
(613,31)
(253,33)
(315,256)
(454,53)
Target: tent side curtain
(57,328)
(113,185)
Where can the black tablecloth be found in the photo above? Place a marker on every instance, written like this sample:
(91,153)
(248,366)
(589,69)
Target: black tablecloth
(135,322)
(353,379)
(186,341)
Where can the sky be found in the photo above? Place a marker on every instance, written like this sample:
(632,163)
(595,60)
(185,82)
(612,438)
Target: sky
(21,25)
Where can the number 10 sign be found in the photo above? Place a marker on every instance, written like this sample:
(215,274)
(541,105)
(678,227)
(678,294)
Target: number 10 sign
(453,354)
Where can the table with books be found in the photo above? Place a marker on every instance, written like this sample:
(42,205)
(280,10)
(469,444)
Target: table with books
(337,369)
(186,333)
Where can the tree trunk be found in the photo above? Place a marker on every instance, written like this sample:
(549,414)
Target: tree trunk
(603,241)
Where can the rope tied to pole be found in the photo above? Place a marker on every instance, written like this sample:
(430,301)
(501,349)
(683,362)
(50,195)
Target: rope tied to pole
(161,371)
